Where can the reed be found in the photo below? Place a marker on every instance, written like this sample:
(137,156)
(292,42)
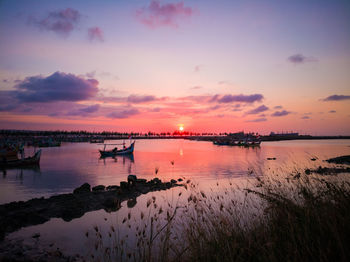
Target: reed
(301,219)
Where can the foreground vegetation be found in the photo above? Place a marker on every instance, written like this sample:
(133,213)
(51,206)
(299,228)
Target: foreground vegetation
(304,219)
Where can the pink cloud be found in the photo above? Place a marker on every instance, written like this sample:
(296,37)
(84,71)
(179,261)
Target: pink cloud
(281,113)
(198,68)
(123,113)
(157,14)
(257,110)
(95,33)
(141,98)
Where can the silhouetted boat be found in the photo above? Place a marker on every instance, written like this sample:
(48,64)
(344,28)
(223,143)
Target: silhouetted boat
(115,151)
(97,140)
(28,161)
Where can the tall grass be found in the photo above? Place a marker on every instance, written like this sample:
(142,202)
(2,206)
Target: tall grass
(303,219)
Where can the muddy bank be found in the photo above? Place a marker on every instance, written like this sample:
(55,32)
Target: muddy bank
(340,160)
(36,211)
(328,170)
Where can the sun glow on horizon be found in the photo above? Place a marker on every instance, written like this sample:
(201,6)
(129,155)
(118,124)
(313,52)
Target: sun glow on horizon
(181,128)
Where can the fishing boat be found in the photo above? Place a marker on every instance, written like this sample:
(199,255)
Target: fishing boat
(115,151)
(23,162)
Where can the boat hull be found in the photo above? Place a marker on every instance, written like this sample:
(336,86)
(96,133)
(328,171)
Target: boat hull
(28,161)
(126,151)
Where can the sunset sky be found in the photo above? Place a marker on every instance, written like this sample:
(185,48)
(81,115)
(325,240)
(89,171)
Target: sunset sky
(134,65)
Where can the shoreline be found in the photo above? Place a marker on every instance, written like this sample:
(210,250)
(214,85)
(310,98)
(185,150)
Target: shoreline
(83,199)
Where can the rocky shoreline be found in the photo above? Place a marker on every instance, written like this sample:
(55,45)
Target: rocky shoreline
(16,215)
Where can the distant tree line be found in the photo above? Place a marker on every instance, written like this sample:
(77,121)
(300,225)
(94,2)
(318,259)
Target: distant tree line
(84,133)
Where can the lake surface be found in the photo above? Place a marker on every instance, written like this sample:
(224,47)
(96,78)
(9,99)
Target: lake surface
(64,168)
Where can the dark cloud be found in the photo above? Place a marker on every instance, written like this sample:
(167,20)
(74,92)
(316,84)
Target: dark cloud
(90,109)
(336,98)
(62,22)
(157,14)
(8,102)
(26,110)
(54,114)
(278,107)
(263,119)
(7,108)
(140,99)
(95,34)
(237,98)
(257,110)
(84,111)
(124,113)
(281,113)
(56,87)
(332,111)
(301,59)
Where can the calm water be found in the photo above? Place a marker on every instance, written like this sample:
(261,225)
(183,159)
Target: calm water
(64,168)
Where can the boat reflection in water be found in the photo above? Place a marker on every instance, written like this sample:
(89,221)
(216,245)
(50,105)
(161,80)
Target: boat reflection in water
(19,172)
(116,158)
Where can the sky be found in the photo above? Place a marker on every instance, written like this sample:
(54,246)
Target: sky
(208,66)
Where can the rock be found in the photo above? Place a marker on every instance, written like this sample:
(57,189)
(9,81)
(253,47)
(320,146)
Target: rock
(99,188)
(168,185)
(111,203)
(131,202)
(180,179)
(141,181)
(313,159)
(156,180)
(173,181)
(271,158)
(112,187)
(124,185)
(132,179)
(85,188)
(143,190)
(307,171)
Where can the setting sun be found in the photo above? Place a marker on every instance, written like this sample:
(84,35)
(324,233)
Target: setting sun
(181,128)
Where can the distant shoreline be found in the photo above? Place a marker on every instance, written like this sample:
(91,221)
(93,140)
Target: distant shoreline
(83,136)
